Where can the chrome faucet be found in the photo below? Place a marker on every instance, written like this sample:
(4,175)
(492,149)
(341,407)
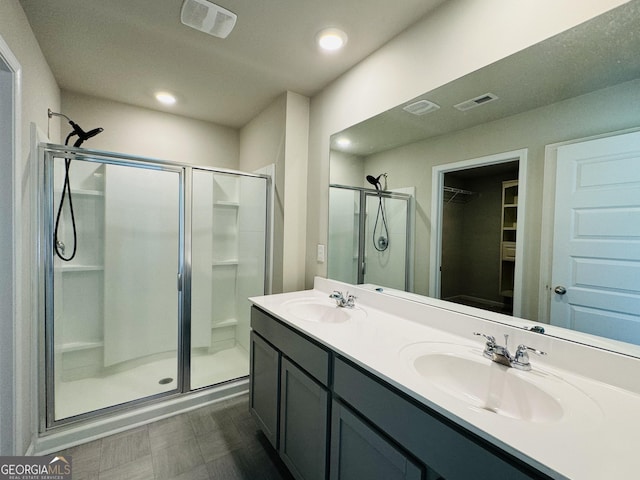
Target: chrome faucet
(500,353)
(347,300)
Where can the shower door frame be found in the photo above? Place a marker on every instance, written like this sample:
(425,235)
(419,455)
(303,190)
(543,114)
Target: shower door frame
(46,348)
(363,193)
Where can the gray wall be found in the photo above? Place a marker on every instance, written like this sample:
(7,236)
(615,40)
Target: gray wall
(149,133)
(607,110)
(38,92)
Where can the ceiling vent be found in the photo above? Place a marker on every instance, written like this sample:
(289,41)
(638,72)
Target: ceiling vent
(476,102)
(421,107)
(208,17)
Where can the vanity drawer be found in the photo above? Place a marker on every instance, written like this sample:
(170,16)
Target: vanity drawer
(303,351)
(452,451)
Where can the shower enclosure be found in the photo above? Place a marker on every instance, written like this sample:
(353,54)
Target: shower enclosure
(370,238)
(154,302)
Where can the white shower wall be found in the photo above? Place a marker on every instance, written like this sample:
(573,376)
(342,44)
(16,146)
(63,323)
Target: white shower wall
(229,214)
(388,267)
(141,248)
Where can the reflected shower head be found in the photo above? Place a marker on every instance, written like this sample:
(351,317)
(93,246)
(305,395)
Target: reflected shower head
(375,181)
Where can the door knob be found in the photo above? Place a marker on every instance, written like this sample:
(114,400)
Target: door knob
(560,290)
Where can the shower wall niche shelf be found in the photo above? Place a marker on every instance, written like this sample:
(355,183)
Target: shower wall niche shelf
(80,282)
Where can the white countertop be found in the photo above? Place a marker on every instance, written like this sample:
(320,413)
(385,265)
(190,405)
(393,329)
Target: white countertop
(595,438)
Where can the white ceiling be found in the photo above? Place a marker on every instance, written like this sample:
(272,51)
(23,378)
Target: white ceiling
(125,50)
(602,52)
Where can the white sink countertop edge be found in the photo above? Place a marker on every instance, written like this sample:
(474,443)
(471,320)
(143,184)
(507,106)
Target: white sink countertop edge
(603,445)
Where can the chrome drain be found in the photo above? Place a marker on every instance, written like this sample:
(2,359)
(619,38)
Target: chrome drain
(164,381)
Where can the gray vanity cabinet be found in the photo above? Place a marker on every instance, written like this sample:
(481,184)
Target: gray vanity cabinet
(434,441)
(289,394)
(303,423)
(264,381)
(331,419)
(358,451)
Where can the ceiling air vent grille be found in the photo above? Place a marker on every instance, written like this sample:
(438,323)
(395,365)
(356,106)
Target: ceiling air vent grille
(476,102)
(421,107)
(208,17)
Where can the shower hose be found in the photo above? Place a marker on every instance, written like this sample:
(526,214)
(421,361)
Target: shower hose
(381,246)
(66,190)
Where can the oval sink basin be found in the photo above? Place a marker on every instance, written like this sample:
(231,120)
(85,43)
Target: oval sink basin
(463,373)
(317,310)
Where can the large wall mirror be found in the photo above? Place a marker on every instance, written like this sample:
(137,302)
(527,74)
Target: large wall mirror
(482,164)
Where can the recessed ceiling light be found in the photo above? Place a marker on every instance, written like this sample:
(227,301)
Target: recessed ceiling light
(331,39)
(343,142)
(165,98)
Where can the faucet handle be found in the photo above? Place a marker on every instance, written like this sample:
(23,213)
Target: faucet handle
(351,300)
(491,340)
(490,346)
(521,358)
(336,294)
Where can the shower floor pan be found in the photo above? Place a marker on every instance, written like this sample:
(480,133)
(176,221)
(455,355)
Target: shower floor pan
(90,394)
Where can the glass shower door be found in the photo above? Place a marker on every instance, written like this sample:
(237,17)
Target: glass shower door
(344,232)
(229,225)
(112,329)
(386,236)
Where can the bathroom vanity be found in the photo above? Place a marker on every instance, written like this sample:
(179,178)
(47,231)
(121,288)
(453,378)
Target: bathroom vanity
(398,389)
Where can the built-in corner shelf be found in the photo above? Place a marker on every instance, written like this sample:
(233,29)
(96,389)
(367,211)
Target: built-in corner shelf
(226,203)
(80,346)
(230,322)
(84,192)
(225,263)
(80,268)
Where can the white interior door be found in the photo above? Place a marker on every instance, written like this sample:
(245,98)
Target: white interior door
(596,247)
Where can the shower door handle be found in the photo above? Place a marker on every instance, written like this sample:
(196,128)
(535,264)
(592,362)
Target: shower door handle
(179,282)
(363,268)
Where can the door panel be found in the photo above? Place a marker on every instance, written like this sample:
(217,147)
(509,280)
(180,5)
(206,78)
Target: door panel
(597,237)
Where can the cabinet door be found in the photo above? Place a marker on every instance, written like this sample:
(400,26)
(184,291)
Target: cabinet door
(358,451)
(264,391)
(303,423)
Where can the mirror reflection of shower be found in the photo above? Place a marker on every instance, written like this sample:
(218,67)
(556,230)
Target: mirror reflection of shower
(380,240)
(352,257)
(58,245)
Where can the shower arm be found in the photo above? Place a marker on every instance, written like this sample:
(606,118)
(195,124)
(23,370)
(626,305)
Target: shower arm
(77,130)
(52,114)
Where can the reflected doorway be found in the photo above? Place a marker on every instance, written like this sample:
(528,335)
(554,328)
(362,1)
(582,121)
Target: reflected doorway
(476,256)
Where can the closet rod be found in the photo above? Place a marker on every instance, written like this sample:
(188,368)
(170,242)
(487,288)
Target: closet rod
(457,190)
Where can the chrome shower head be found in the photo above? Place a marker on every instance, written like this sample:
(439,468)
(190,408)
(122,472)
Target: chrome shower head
(77,130)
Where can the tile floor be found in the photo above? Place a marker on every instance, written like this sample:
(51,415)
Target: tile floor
(217,442)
